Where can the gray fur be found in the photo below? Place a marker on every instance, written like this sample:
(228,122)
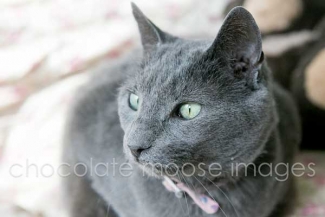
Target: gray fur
(245,118)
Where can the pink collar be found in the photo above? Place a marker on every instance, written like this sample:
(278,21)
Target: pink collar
(207,204)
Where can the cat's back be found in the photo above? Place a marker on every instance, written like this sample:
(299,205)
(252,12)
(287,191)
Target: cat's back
(93,118)
(109,75)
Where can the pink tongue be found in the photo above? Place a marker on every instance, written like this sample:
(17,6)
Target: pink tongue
(206,203)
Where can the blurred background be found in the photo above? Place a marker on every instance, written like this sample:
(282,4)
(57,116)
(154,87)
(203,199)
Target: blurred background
(48,48)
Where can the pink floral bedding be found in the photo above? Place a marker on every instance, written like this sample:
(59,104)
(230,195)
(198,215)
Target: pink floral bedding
(47,49)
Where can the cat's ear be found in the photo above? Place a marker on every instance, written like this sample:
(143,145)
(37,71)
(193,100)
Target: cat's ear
(151,35)
(239,42)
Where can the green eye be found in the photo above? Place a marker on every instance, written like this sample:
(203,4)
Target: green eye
(134,101)
(189,110)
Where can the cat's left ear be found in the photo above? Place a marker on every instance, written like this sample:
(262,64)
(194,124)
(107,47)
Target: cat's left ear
(239,43)
(151,35)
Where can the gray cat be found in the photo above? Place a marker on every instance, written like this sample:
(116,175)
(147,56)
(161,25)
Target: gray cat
(175,109)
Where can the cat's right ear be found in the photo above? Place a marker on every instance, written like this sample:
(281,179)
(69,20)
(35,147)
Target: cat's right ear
(151,35)
(239,37)
(239,43)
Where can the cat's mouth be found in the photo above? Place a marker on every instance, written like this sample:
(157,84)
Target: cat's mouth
(157,170)
(192,179)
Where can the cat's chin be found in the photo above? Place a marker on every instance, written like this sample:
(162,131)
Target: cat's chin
(155,171)
(199,184)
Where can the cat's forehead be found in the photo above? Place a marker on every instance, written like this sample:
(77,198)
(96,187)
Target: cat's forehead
(169,66)
(180,53)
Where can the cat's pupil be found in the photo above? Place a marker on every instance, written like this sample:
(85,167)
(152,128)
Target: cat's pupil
(133,102)
(189,110)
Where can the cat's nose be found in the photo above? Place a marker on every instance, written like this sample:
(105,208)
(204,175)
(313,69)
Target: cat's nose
(136,152)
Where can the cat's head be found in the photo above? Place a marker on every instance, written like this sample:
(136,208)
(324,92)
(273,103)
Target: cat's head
(198,102)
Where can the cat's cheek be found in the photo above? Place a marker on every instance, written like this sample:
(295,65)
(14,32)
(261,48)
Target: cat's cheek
(126,118)
(127,153)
